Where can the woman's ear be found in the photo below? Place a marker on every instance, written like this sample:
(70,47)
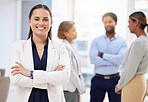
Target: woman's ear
(65,33)
(136,22)
(29,22)
(51,23)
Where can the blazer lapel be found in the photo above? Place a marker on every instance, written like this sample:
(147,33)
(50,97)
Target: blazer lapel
(28,56)
(75,55)
(51,56)
(28,61)
(77,60)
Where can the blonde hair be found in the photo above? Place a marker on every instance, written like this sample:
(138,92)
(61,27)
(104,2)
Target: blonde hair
(65,26)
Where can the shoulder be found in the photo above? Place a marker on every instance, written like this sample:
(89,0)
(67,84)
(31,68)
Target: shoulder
(98,38)
(121,40)
(141,41)
(19,44)
(138,40)
(137,44)
(67,45)
(57,44)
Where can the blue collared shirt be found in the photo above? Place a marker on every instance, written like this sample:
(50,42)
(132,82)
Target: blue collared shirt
(113,50)
(39,95)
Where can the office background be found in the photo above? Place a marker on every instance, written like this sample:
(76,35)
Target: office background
(87,15)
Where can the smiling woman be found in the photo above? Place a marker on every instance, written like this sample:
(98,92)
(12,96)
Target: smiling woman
(40,19)
(40,22)
(37,63)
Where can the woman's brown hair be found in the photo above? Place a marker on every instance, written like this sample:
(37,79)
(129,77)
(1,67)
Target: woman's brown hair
(65,26)
(140,16)
(30,14)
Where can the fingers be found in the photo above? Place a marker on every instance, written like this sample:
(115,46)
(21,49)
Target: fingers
(118,91)
(16,69)
(60,68)
(19,69)
(19,64)
(15,72)
(16,66)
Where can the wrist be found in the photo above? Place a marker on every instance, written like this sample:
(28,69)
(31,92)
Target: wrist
(31,74)
(101,55)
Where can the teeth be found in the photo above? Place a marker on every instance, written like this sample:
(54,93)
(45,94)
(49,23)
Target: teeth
(40,28)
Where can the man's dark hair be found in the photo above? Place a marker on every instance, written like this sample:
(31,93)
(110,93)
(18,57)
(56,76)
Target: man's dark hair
(111,15)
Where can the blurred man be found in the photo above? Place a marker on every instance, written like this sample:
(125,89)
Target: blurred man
(106,53)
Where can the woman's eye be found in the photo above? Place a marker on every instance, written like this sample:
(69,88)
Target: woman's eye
(36,19)
(46,20)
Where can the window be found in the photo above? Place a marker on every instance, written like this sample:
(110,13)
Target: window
(88,18)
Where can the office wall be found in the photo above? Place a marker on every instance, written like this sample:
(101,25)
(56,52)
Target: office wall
(10,18)
(11,21)
(8,12)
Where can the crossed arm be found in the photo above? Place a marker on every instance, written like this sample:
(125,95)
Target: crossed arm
(101,58)
(20,76)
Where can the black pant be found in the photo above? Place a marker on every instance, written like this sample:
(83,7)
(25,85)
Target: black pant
(100,86)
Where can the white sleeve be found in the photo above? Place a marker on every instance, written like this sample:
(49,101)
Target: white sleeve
(19,79)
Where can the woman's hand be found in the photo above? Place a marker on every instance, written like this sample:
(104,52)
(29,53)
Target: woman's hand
(19,69)
(81,93)
(117,90)
(60,68)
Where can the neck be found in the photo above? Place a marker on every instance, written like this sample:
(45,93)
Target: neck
(139,33)
(69,40)
(110,36)
(39,39)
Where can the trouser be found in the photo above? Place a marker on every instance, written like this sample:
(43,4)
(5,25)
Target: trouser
(135,90)
(100,86)
(71,96)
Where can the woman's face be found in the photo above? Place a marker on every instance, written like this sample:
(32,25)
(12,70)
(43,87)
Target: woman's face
(131,26)
(40,22)
(71,34)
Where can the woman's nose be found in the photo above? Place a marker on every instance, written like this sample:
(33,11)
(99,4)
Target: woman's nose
(41,22)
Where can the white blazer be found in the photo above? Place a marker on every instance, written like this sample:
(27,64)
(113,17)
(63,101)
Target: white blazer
(49,79)
(76,79)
